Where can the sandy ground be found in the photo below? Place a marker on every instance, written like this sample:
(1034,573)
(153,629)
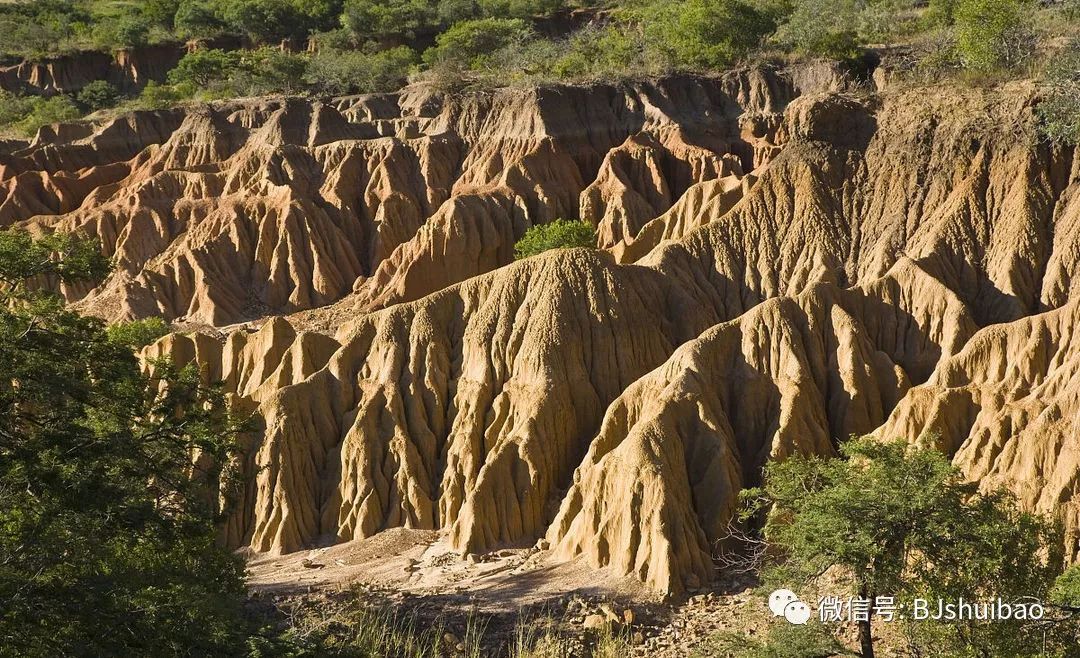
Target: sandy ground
(419,562)
(416,569)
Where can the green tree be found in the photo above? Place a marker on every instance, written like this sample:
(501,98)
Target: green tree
(24,38)
(137,334)
(204,67)
(37,28)
(47,111)
(160,12)
(356,71)
(107,525)
(319,14)
(197,19)
(123,27)
(471,43)
(156,96)
(704,34)
(900,521)
(455,11)
(941,12)
(390,22)
(265,21)
(13,108)
(595,52)
(98,95)
(519,8)
(827,28)
(992,34)
(556,234)
(1066,590)
(268,70)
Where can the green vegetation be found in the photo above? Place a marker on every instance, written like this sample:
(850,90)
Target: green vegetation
(137,333)
(107,528)
(24,115)
(781,641)
(556,234)
(266,21)
(1060,111)
(472,43)
(155,96)
(196,19)
(347,627)
(218,73)
(352,71)
(993,34)
(1066,590)
(43,27)
(374,45)
(210,74)
(13,108)
(390,22)
(98,95)
(889,519)
(826,28)
(703,34)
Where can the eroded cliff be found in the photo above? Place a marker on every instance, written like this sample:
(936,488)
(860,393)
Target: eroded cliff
(784,263)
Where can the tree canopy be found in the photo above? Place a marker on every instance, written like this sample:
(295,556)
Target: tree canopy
(556,234)
(895,520)
(109,480)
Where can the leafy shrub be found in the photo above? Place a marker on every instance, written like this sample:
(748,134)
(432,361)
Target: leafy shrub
(1059,112)
(202,68)
(341,72)
(936,54)
(319,14)
(472,43)
(98,95)
(557,234)
(390,21)
(269,70)
(160,12)
(127,31)
(216,73)
(597,52)
(826,28)
(993,34)
(137,334)
(703,34)
(455,11)
(339,39)
(829,515)
(156,96)
(520,8)
(41,27)
(47,111)
(940,12)
(264,21)
(1066,590)
(13,108)
(196,19)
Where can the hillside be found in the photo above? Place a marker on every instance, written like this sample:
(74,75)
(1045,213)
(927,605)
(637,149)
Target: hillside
(785,264)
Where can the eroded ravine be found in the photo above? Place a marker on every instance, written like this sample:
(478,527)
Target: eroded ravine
(786,265)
